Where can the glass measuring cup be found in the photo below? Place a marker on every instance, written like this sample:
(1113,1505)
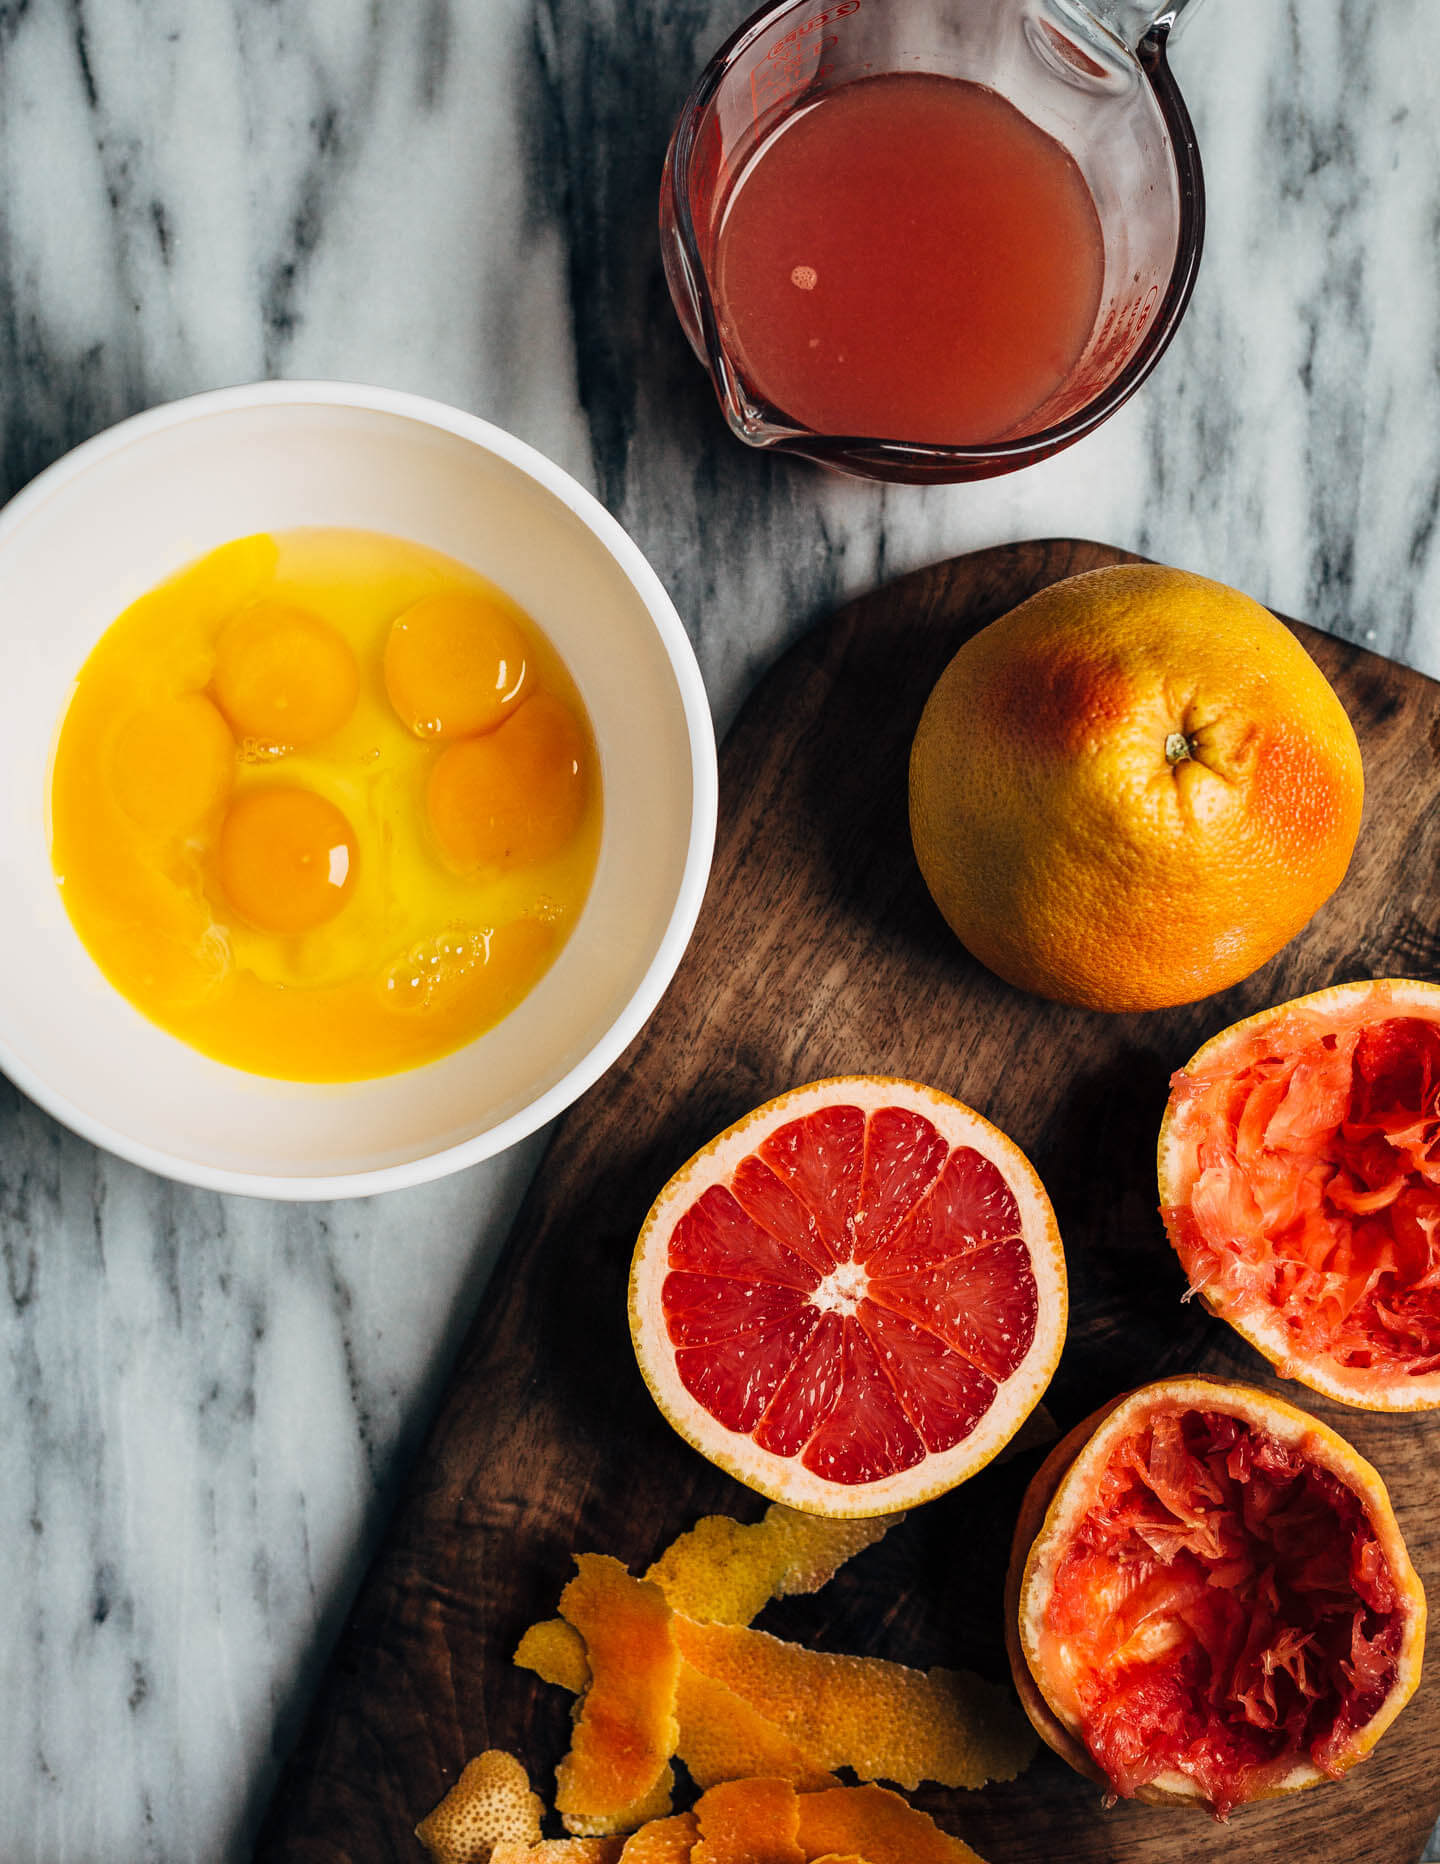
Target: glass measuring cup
(1091,74)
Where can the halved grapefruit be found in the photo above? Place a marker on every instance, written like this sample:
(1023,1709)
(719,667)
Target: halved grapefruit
(1210,1600)
(853,1298)
(1299,1170)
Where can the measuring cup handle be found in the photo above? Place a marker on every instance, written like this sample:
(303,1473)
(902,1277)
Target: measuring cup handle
(1132,20)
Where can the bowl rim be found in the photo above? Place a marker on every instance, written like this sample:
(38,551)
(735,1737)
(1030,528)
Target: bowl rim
(704,775)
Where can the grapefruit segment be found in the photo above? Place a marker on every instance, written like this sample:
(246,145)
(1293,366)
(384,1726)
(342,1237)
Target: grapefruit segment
(1299,1166)
(853,1298)
(1210,1599)
(944,1393)
(982,1304)
(717,1235)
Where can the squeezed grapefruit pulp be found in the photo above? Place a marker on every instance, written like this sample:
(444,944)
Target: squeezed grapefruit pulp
(1300,1185)
(910,258)
(1210,1599)
(853,1298)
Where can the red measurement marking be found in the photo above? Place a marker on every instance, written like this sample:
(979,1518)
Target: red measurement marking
(793,61)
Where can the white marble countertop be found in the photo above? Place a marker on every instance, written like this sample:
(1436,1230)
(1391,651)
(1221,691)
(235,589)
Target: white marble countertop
(205,1403)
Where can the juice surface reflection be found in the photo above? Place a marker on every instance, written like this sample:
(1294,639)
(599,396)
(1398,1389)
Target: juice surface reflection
(911,259)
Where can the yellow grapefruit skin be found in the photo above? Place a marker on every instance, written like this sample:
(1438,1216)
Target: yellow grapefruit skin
(852,1298)
(1059,1500)
(1284,1248)
(1132,790)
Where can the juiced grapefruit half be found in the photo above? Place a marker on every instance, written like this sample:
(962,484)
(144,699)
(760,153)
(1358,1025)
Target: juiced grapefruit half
(1210,1600)
(853,1298)
(1299,1167)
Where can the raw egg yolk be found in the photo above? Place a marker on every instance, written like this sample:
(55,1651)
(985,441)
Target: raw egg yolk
(287,859)
(512,797)
(284,676)
(455,664)
(172,763)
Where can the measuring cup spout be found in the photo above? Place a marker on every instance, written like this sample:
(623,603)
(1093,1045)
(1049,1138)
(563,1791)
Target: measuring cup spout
(1134,20)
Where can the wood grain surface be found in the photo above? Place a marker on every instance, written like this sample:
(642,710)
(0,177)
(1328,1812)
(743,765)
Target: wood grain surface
(819,952)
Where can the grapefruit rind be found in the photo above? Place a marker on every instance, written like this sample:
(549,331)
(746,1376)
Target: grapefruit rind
(1256,1321)
(748,1822)
(555,1651)
(560,1851)
(491,1803)
(662,1841)
(725,1571)
(877,1825)
(616,1774)
(1058,1497)
(882,1720)
(784,1478)
(724,1737)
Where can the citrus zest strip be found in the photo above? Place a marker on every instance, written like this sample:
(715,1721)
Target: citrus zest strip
(880,1719)
(723,1571)
(873,1823)
(491,1802)
(748,1822)
(616,1773)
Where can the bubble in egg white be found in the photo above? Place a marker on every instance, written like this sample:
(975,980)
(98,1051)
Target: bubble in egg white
(414,981)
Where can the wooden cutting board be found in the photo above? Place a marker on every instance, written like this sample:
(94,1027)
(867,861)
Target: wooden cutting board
(819,952)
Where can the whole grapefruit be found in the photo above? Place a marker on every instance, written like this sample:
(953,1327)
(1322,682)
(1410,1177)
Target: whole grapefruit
(1133,789)
(1210,1600)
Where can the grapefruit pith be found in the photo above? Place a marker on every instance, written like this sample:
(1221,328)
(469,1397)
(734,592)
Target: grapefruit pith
(853,1298)
(1299,1165)
(1210,1599)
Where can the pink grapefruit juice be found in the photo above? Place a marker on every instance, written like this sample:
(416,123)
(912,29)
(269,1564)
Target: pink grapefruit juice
(909,258)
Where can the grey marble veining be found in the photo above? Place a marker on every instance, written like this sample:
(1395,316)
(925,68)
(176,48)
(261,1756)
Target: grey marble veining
(205,1403)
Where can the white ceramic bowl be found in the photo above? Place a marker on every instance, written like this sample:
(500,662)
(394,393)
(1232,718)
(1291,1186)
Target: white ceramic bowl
(122,512)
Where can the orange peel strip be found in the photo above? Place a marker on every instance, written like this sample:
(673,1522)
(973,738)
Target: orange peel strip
(883,1720)
(560,1851)
(870,1822)
(555,1651)
(722,1737)
(748,1822)
(662,1841)
(616,1774)
(841,1857)
(723,1571)
(490,1804)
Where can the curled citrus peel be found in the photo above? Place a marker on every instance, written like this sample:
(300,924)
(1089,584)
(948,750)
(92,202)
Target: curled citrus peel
(560,1851)
(882,1720)
(662,1841)
(617,1773)
(749,1704)
(875,1824)
(748,1822)
(491,1803)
